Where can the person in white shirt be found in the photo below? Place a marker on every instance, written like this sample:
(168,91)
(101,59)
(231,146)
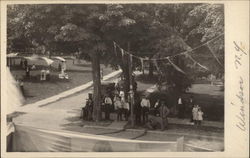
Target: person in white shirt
(122,95)
(199,116)
(195,114)
(107,107)
(145,104)
(126,110)
(118,108)
(180,108)
(156,108)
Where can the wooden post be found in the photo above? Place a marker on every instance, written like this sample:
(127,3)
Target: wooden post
(180,144)
(131,88)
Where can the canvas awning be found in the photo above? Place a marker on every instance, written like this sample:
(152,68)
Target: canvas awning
(47,60)
(59,58)
(11,55)
(36,58)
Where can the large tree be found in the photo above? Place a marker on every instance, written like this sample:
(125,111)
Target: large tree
(145,30)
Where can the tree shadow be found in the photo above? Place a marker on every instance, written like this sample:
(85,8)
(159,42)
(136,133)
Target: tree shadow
(147,79)
(82,71)
(83,65)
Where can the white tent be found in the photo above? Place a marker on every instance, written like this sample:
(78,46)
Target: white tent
(11,55)
(47,60)
(59,58)
(35,58)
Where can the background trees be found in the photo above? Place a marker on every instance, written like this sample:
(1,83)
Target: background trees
(145,30)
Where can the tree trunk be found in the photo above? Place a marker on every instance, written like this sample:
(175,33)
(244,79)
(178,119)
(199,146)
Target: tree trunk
(151,69)
(97,86)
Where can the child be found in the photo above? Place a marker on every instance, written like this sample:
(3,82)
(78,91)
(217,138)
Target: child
(200,116)
(195,114)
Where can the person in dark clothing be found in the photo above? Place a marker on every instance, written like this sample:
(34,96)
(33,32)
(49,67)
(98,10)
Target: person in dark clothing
(21,84)
(21,63)
(154,122)
(181,108)
(25,64)
(138,110)
(164,112)
(190,108)
(27,70)
(89,109)
(145,104)
(107,107)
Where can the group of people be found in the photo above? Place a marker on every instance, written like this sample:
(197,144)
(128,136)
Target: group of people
(193,110)
(152,116)
(197,115)
(122,107)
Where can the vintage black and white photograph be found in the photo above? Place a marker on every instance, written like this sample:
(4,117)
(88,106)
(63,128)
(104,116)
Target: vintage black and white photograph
(134,77)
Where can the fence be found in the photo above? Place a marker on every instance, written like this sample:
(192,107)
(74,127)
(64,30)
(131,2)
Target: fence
(30,139)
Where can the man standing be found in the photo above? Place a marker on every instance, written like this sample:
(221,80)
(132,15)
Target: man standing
(118,108)
(145,104)
(180,108)
(108,104)
(164,112)
(126,110)
(27,70)
(90,109)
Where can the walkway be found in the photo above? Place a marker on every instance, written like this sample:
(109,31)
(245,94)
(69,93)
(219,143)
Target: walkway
(58,111)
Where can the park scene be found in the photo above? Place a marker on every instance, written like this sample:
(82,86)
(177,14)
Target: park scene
(115,77)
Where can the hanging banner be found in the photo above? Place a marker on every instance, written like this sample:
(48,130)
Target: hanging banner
(176,67)
(212,52)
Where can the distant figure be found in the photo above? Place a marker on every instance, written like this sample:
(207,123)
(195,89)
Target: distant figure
(43,75)
(180,108)
(85,111)
(195,114)
(22,64)
(33,67)
(47,74)
(25,64)
(199,116)
(63,69)
(27,70)
(107,107)
(21,84)
(59,67)
(190,107)
(145,104)
(101,73)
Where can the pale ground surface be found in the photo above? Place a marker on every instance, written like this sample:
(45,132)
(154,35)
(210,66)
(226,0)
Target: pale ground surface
(64,115)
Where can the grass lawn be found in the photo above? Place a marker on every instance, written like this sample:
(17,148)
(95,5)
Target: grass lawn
(35,89)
